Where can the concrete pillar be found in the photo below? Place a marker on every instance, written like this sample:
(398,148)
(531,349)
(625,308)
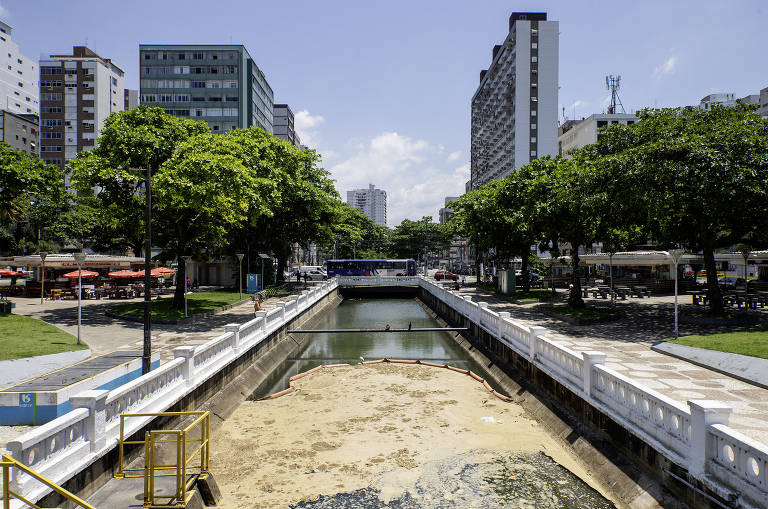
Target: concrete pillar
(703,414)
(234,328)
(281,305)
(95,428)
(590,360)
(503,315)
(535,333)
(263,316)
(188,368)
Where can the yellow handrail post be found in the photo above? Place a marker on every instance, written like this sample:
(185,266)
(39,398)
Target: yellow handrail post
(120,474)
(181,463)
(146,464)
(6,485)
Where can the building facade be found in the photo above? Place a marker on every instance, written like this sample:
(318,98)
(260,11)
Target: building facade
(220,84)
(514,110)
(763,103)
(77,94)
(19,91)
(283,124)
(576,134)
(21,132)
(130,99)
(445,213)
(372,202)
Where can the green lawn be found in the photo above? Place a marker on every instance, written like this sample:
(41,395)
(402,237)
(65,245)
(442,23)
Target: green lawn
(586,313)
(753,343)
(197,303)
(533,295)
(23,336)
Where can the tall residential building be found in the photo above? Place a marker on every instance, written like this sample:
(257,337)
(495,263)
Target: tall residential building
(77,94)
(130,99)
(220,84)
(20,132)
(283,124)
(19,92)
(372,202)
(446,212)
(578,133)
(514,110)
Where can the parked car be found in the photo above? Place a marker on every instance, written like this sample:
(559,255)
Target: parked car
(533,276)
(445,274)
(313,273)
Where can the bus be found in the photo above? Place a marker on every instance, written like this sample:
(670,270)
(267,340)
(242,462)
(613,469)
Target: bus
(371,268)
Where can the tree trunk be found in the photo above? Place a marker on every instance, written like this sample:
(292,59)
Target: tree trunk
(713,289)
(525,269)
(181,271)
(282,252)
(574,295)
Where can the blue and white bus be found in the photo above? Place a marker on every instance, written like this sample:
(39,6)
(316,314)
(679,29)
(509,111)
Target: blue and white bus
(371,268)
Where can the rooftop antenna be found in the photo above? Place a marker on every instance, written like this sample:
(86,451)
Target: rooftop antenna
(564,118)
(613,83)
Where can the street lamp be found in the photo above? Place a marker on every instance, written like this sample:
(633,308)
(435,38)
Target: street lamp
(263,257)
(186,260)
(335,250)
(240,274)
(676,255)
(43,256)
(79,259)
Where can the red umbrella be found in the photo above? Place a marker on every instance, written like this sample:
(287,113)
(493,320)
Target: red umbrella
(161,272)
(84,274)
(12,273)
(124,274)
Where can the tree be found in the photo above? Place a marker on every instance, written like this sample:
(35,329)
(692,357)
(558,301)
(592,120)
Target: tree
(131,143)
(410,238)
(694,178)
(31,193)
(355,235)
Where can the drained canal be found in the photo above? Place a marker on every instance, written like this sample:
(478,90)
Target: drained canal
(391,435)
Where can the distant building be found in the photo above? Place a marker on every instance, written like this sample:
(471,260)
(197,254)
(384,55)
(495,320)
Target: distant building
(77,93)
(283,124)
(763,109)
(220,84)
(131,99)
(575,134)
(372,202)
(20,132)
(446,212)
(19,90)
(514,110)
(710,100)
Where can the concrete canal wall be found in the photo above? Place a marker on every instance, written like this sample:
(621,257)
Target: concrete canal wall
(78,450)
(687,449)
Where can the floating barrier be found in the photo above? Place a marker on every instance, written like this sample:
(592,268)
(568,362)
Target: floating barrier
(292,387)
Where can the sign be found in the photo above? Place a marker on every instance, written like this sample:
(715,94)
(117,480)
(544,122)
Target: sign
(26,399)
(254,283)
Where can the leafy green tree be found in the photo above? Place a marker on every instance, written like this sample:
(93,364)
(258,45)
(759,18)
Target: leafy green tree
(691,178)
(355,235)
(409,238)
(131,143)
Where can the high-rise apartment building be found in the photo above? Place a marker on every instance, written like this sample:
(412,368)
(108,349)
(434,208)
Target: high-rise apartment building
(283,124)
(220,84)
(514,110)
(130,99)
(19,92)
(372,202)
(77,94)
(21,132)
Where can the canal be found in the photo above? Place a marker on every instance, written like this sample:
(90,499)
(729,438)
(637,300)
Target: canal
(444,451)
(323,348)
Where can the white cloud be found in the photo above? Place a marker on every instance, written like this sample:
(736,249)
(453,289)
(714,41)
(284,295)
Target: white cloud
(668,67)
(305,123)
(577,103)
(454,156)
(410,170)
(4,12)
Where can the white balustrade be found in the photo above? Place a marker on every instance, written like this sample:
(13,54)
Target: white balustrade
(563,362)
(733,457)
(212,351)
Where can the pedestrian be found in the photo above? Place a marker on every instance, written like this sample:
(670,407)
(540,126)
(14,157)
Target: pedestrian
(306,276)
(463,279)
(189,285)
(257,303)
(298,276)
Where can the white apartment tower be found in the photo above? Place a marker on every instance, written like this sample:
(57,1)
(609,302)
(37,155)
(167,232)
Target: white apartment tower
(19,92)
(514,110)
(372,202)
(77,94)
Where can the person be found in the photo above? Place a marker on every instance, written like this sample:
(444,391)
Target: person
(463,280)
(298,276)
(306,276)
(188,283)
(257,303)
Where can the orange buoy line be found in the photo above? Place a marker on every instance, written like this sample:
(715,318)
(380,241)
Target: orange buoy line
(292,387)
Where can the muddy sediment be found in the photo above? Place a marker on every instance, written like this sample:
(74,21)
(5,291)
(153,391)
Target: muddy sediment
(382,431)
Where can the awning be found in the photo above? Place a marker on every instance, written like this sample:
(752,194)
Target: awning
(67,261)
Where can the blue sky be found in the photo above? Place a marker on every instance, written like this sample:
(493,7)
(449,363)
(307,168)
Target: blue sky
(382,88)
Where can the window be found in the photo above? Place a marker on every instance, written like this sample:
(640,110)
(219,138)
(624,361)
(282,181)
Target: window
(51,123)
(56,162)
(198,84)
(147,56)
(21,85)
(533,113)
(50,148)
(19,61)
(50,136)
(533,127)
(231,99)
(56,96)
(534,45)
(50,84)
(601,123)
(533,153)
(533,139)
(197,56)
(50,70)
(198,98)
(114,81)
(181,56)
(630,122)
(534,59)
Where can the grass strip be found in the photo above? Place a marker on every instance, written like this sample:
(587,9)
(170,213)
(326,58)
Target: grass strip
(197,304)
(23,336)
(752,343)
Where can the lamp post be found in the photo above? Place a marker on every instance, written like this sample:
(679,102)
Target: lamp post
(43,256)
(676,255)
(335,250)
(146,355)
(610,265)
(263,257)
(186,260)
(79,259)
(240,274)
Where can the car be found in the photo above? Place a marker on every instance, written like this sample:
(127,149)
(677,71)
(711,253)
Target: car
(313,274)
(445,274)
(534,277)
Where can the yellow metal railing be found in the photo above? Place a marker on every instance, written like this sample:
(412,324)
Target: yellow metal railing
(9,463)
(189,450)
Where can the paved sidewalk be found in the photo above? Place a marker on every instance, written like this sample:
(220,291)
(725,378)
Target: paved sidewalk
(628,341)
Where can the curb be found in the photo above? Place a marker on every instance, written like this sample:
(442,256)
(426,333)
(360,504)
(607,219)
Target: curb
(182,321)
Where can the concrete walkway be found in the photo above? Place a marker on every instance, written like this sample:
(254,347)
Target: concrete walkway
(628,341)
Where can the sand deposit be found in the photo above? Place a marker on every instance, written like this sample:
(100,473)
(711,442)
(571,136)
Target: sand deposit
(375,426)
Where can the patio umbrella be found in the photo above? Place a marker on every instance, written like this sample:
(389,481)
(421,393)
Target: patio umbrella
(125,274)
(161,272)
(12,273)
(84,274)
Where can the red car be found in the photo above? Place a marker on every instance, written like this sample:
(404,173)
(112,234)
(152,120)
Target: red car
(445,274)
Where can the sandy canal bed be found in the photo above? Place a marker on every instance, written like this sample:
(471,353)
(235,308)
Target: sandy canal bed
(379,426)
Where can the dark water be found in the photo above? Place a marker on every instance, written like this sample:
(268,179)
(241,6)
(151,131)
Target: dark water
(349,348)
(466,480)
